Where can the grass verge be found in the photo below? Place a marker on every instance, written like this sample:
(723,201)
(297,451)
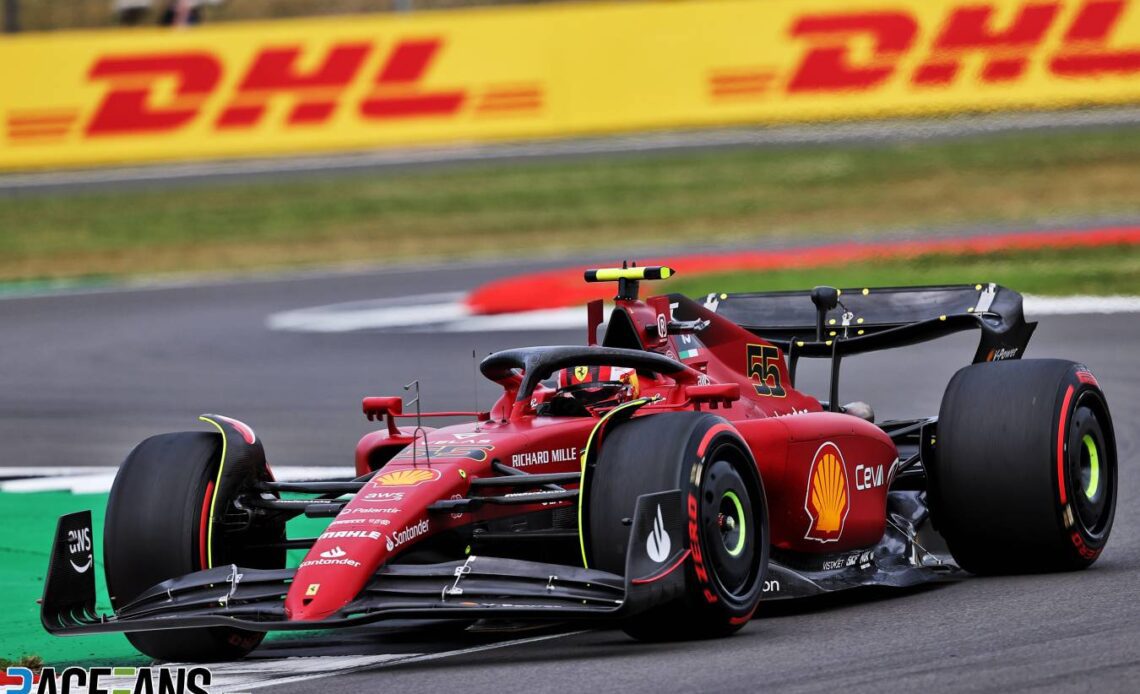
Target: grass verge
(23,564)
(556,207)
(32,662)
(1097,271)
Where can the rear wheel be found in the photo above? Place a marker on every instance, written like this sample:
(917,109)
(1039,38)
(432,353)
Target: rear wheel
(723,500)
(1024,476)
(156,529)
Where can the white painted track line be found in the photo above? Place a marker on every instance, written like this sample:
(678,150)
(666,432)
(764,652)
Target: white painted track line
(445,312)
(1079,305)
(250,674)
(97,480)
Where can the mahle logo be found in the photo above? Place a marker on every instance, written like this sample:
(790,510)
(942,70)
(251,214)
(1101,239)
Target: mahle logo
(108,680)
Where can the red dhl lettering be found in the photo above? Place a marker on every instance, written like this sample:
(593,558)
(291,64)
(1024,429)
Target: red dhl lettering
(129,105)
(827,67)
(405,69)
(1086,51)
(274,71)
(970,29)
(1007,47)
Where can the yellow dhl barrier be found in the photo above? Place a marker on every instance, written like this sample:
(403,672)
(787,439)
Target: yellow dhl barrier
(83,98)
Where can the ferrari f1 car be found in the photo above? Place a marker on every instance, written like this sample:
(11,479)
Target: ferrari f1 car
(666,477)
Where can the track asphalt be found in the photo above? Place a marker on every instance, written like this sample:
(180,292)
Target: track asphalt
(84,376)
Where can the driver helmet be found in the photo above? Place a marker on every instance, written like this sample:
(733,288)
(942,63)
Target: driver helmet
(598,385)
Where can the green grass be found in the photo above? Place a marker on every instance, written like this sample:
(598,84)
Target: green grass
(1098,271)
(32,662)
(23,563)
(561,207)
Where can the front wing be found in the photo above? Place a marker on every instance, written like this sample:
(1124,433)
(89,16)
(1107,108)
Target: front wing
(476,587)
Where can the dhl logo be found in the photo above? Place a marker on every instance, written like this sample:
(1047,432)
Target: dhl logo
(363,82)
(861,51)
(163,92)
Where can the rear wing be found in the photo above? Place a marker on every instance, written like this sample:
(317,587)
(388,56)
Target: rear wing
(870,319)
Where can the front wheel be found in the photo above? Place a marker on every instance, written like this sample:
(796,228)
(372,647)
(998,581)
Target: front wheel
(724,504)
(156,529)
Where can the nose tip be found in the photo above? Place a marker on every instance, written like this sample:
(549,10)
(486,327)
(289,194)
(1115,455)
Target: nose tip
(312,608)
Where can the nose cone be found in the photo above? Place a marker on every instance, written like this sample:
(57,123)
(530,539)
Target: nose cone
(311,605)
(326,581)
(306,602)
(387,516)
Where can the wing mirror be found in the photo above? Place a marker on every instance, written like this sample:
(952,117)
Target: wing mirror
(714,394)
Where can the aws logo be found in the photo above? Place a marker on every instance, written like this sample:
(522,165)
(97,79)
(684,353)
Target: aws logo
(828,498)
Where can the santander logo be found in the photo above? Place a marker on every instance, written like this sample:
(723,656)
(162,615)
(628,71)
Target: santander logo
(407,534)
(334,553)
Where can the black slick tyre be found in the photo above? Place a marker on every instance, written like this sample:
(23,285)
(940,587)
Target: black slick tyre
(1024,476)
(154,531)
(724,502)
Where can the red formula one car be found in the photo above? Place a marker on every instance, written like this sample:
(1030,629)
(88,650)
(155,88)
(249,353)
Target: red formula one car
(667,479)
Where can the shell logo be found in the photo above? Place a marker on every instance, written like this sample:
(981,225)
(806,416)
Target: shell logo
(828,495)
(406,478)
